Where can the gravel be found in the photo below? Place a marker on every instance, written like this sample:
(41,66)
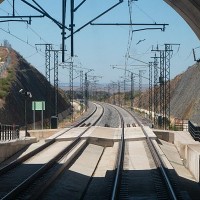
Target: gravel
(110,117)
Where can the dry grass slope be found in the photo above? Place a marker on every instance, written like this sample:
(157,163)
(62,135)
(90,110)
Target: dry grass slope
(20,74)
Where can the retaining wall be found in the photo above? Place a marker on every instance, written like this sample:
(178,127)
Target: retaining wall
(9,148)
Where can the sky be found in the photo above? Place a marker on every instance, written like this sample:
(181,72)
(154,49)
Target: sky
(101,47)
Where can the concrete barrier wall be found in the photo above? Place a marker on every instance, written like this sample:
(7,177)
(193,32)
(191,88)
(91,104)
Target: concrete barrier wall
(165,135)
(193,159)
(182,149)
(43,134)
(188,149)
(9,148)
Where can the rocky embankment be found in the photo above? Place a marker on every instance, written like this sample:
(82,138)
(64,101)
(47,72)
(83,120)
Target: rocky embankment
(24,76)
(185,95)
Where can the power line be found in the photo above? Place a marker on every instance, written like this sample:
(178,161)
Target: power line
(130,37)
(4,11)
(145,13)
(21,40)
(31,55)
(37,34)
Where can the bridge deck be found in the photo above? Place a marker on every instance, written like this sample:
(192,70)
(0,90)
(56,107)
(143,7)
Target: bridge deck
(131,133)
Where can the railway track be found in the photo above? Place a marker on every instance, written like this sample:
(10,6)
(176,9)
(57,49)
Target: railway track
(91,171)
(91,161)
(163,180)
(21,173)
(120,161)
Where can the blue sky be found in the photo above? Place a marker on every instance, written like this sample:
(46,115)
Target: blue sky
(98,47)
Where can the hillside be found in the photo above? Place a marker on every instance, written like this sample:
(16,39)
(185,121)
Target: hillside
(185,99)
(185,95)
(19,74)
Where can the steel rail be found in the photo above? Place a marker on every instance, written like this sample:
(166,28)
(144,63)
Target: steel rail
(17,162)
(41,171)
(160,164)
(91,177)
(86,118)
(157,160)
(63,167)
(120,161)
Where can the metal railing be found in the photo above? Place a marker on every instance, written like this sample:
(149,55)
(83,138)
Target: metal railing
(9,132)
(180,125)
(194,131)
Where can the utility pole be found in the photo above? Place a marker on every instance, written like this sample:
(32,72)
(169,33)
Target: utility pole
(86,92)
(119,94)
(56,83)
(55,80)
(48,48)
(113,88)
(168,55)
(72,26)
(71,89)
(164,81)
(132,90)
(140,88)
(81,90)
(156,88)
(162,110)
(63,33)
(93,86)
(150,90)
(109,93)
(162,88)
(86,84)
(62,25)
(73,9)
(125,90)
(92,90)
(71,92)
(95,90)
(132,82)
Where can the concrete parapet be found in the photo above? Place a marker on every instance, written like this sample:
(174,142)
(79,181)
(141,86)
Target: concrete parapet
(193,160)
(54,133)
(182,139)
(162,155)
(133,134)
(188,148)
(149,132)
(164,135)
(8,148)
(42,134)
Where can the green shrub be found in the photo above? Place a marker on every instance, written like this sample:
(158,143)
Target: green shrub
(2,94)
(5,83)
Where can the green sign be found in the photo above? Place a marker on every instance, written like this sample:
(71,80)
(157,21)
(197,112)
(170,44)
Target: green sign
(38,105)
